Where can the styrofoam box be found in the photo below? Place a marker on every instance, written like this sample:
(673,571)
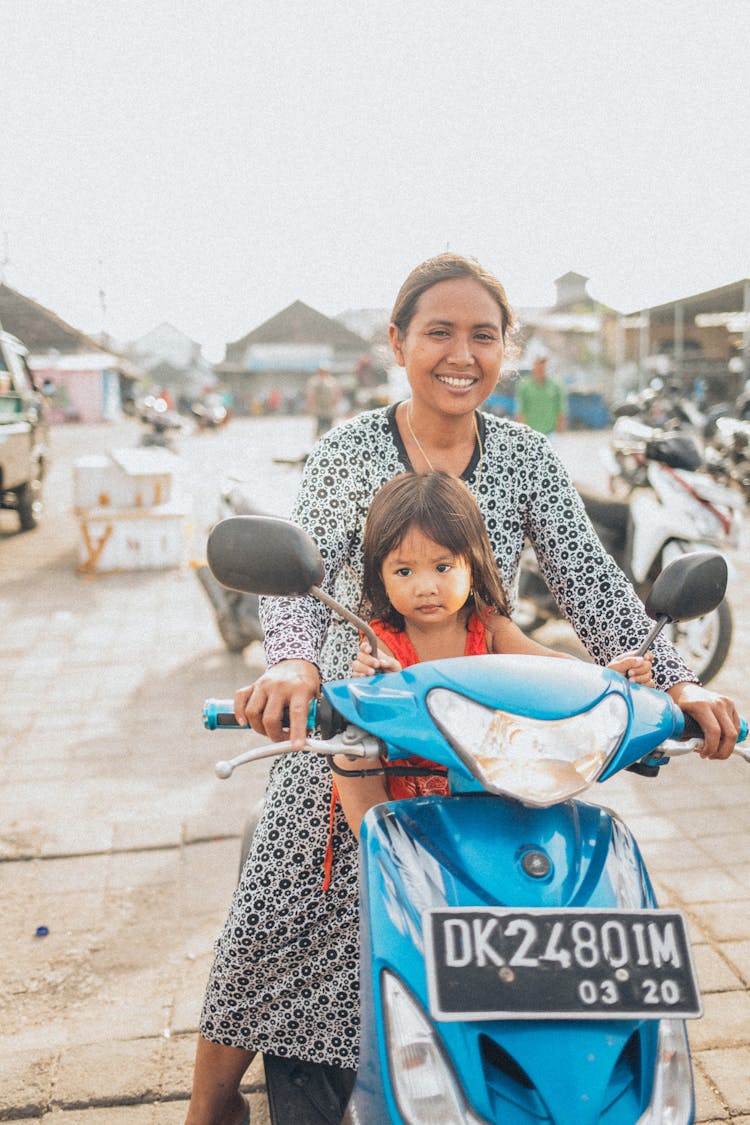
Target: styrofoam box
(133,539)
(95,480)
(127,478)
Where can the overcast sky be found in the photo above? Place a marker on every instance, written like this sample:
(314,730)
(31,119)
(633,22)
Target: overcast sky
(206,163)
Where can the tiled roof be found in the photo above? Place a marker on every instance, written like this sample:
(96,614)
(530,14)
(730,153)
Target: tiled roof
(39,329)
(298,324)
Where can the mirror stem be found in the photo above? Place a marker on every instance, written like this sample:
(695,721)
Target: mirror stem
(352,618)
(653,633)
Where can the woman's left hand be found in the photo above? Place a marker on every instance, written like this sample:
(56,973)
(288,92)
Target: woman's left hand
(715,714)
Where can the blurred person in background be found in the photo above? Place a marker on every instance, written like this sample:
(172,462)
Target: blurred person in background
(323,395)
(540,401)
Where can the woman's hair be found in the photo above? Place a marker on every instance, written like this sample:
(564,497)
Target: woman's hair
(446,267)
(441,506)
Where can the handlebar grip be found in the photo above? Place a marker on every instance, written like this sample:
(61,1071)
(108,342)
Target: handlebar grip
(693,730)
(218,714)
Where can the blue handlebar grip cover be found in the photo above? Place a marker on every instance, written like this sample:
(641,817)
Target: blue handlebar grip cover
(218,714)
(743,730)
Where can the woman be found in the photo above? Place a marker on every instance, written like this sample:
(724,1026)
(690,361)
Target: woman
(285,978)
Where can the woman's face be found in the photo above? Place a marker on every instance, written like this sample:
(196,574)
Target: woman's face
(453,347)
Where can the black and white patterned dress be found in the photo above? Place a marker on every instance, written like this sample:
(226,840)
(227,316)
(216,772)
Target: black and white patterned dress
(285,977)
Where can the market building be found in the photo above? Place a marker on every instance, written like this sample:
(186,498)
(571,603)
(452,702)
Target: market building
(90,381)
(274,361)
(701,339)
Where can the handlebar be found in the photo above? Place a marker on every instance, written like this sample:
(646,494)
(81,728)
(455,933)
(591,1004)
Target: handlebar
(218,714)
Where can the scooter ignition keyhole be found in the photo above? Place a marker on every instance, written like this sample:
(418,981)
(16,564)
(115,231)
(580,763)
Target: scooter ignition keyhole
(536,864)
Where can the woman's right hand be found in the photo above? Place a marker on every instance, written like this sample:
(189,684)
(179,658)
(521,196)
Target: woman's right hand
(290,684)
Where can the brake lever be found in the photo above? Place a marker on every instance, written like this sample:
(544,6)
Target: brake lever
(673,748)
(353,742)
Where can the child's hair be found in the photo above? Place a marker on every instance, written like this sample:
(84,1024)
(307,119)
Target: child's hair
(441,506)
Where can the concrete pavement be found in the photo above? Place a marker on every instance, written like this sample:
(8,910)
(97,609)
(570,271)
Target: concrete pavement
(117,839)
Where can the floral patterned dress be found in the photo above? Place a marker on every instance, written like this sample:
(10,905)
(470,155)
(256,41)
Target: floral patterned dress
(285,976)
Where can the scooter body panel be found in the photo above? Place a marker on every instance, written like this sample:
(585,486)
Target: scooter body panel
(463,852)
(667,513)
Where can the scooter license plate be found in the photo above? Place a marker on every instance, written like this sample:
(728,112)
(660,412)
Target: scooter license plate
(487,963)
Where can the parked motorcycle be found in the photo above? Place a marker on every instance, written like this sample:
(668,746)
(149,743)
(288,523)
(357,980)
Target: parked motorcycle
(160,424)
(660,405)
(727,455)
(515,966)
(671,511)
(667,406)
(633,444)
(210,413)
(237,614)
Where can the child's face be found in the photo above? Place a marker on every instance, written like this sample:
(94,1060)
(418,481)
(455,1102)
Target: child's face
(424,582)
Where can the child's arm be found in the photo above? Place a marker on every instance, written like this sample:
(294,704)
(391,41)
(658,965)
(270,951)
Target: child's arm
(504,636)
(358,794)
(636,668)
(365,664)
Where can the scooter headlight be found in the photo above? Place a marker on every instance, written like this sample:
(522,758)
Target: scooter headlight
(423,1082)
(539,762)
(672,1099)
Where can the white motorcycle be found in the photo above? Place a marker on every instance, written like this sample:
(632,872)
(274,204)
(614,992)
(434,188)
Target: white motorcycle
(671,510)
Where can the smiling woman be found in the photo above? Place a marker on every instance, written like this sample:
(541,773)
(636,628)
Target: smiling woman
(285,978)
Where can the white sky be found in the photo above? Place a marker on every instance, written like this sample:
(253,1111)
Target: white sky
(221,158)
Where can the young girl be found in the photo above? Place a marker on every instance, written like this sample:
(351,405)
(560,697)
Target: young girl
(433,585)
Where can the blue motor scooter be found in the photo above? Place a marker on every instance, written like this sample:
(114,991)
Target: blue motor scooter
(515,965)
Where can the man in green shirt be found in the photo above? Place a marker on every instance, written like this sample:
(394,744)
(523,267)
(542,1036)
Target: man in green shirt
(540,401)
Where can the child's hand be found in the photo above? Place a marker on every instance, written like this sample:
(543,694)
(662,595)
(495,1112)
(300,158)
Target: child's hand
(636,668)
(365,664)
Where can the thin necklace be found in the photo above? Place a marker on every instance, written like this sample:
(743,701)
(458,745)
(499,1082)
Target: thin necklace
(418,444)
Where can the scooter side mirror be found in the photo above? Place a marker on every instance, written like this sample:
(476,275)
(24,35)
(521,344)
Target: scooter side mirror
(263,555)
(267,555)
(688,587)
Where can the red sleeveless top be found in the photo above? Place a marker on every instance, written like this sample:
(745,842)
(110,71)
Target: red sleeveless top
(402,648)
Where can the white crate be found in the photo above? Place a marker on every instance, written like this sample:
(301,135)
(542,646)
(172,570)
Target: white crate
(95,481)
(127,478)
(133,539)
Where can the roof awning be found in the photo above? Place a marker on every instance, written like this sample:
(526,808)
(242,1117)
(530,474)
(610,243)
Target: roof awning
(724,301)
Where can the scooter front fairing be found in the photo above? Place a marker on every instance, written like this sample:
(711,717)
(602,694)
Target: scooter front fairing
(396,708)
